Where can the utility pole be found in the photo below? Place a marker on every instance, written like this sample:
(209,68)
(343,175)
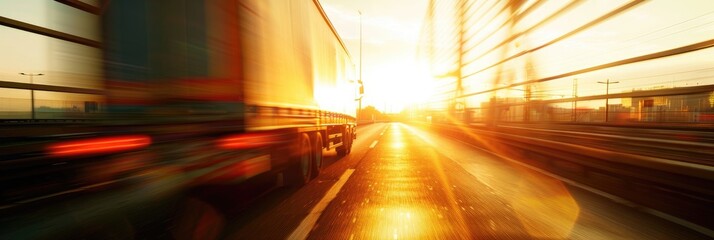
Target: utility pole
(32,91)
(607,92)
(460,108)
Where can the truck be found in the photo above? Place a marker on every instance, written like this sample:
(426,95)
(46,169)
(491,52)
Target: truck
(199,95)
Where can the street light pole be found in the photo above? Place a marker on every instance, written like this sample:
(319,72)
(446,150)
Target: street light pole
(32,91)
(360,45)
(607,92)
(361,89)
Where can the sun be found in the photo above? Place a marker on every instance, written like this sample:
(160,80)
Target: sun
(398,88)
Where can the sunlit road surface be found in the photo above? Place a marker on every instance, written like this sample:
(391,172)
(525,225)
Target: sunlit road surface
(401,182)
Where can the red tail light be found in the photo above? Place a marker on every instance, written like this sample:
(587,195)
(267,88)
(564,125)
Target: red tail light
(246,141)
(98,145)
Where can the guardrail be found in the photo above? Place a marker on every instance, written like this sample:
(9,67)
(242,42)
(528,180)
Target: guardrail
(670,171)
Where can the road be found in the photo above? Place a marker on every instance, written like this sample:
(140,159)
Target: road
(404,182)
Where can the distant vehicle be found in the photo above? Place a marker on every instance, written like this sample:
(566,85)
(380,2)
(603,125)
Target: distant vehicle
(199,94)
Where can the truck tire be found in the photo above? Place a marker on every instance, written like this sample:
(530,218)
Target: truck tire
(350,139)
(347,139)
(302,160)
(344,149)
(317,155)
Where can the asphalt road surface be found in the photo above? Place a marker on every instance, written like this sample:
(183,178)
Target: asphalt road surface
(403,182)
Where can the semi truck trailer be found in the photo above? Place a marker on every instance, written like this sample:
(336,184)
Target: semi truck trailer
(199,95)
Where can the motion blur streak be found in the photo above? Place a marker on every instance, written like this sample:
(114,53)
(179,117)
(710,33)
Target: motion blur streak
(395,219)
(237,172)
(402,222)
(542,204)
(446,184)
(98,145)
(199,221)
(245,141)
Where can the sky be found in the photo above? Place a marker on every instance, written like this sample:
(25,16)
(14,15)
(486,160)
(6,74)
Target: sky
(392,76)
(394,79)
(391,31)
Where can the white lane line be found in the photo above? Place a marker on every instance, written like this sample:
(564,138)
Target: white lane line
(308,223)
(373,144)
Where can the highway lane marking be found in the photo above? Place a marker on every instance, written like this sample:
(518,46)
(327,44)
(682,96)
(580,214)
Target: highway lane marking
(305,227)
(373,144)
(383,130)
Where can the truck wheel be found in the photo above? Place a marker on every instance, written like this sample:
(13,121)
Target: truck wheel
(344,149)
(300,173)
(341,151)
(349,141)
(317,155)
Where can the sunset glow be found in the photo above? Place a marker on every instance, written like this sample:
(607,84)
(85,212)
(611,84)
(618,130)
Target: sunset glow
(356,119)
(392,76)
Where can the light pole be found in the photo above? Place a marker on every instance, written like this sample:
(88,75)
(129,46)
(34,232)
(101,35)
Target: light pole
(359,99)
(361,85)
(361,94)
(32,91)
(607,92)
(360,45)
